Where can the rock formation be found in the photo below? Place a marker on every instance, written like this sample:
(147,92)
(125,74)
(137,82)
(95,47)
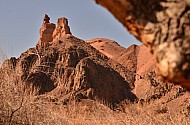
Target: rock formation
(118,53)
(46,31)
(164,27)
(62,28)
(126,57)
(70,64)
(46,19)
(65,77)
(50,32)
(147,87)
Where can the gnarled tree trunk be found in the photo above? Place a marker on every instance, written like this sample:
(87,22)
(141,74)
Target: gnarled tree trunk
(164,26)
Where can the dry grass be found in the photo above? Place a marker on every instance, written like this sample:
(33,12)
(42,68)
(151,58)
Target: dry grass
(17,107)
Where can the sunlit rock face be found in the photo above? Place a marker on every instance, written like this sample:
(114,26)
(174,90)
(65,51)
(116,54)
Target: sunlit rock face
(164,27)
(50,32)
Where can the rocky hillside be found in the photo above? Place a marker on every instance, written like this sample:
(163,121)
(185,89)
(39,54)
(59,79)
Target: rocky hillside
(151,92)
(126,57)
(137,59)
(79,70)
(83,82)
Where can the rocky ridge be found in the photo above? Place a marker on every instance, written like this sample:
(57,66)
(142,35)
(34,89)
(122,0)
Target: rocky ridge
(63,63)
(62,69)
(148,88)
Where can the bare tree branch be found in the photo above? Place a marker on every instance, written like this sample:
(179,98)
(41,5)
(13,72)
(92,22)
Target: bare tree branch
(164,26)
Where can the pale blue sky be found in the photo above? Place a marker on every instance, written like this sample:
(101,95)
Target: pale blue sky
(20,21)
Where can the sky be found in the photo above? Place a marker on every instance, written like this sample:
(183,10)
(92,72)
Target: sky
(20,21)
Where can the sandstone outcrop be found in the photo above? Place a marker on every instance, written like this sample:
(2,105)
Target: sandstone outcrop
(46,31)
(164,27)
(147,86)
(67,78)
(50,32)
(62,28)
(116,52)
(65,63)
(81,71)
(126,57)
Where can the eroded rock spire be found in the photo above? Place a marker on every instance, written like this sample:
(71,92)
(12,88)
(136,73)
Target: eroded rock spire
(62,28)
(50,32)
(46,31)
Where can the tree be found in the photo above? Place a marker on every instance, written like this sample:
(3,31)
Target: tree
(162,25)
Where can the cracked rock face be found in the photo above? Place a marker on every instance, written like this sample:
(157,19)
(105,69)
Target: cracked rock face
(65,63)
(78,69)
(164,28)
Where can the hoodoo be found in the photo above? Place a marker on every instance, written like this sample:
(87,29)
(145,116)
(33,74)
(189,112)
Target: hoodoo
(46,31)
(62,28)
(50,32)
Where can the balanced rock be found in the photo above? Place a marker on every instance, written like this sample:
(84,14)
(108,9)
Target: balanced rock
(46,31)
(46,19)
